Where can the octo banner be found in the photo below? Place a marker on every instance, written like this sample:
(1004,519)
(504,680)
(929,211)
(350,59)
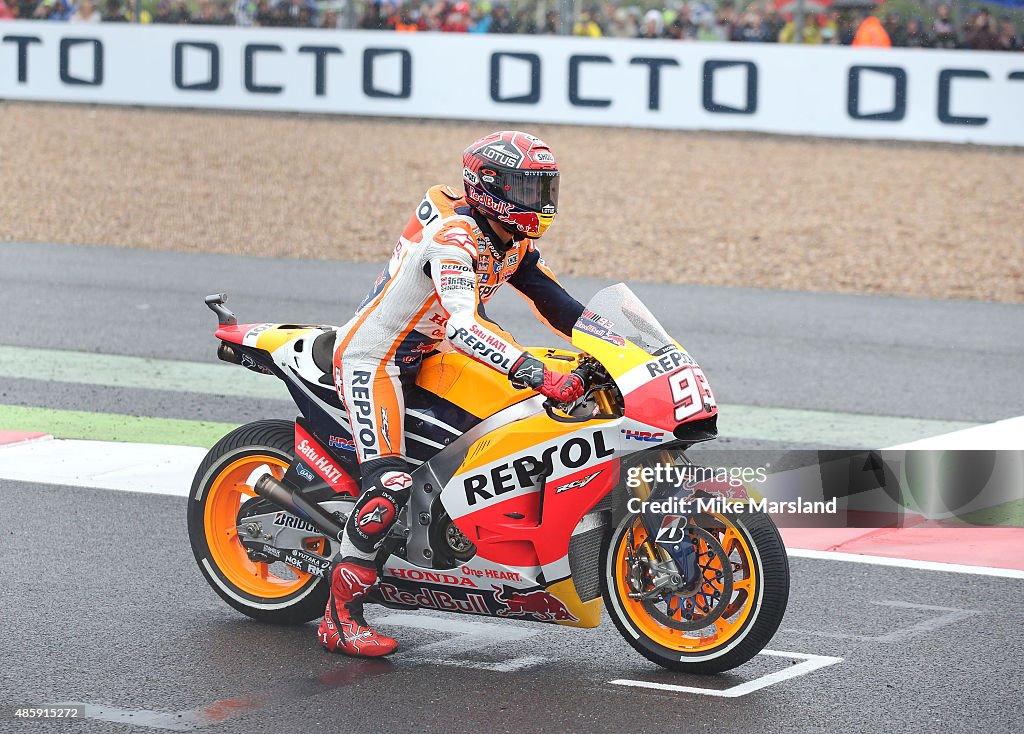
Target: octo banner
(949,96)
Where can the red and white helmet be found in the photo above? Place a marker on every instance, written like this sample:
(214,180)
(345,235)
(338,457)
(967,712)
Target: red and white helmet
(512,176)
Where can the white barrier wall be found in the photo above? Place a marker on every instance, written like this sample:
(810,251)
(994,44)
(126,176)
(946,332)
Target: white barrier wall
(953,96)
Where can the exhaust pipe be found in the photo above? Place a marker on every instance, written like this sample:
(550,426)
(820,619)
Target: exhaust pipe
(288,499)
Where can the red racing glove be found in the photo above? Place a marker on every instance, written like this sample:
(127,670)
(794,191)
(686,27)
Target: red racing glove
(530,371)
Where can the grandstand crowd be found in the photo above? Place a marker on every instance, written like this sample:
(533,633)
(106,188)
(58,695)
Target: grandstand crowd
(692,20)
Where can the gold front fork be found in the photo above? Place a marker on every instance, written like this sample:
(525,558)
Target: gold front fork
(650,549)
(605,402)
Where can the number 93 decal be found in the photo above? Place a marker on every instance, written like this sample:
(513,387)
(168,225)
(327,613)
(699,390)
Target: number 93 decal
(691,393)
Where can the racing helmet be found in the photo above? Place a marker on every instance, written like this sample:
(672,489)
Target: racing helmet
(512,177)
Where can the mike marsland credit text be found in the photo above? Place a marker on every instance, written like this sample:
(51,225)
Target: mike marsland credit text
(720,504)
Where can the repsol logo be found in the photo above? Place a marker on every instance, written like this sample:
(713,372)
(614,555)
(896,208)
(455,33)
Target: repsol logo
(362,413)
(482,349)
(523,471)
(669,363)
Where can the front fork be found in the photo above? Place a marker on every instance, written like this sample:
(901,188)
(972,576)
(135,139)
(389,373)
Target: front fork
(667,544)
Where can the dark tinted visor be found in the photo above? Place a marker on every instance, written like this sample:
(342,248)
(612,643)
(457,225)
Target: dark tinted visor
(535,191)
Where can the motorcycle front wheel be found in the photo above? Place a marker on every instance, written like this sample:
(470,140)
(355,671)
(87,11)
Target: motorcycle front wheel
(720,622)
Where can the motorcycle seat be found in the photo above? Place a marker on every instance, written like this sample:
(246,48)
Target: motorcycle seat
(323,352)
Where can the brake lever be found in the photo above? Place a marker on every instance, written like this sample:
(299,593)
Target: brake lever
(549,408)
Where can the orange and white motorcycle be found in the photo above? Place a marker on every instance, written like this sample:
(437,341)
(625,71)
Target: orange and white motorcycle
(512,512)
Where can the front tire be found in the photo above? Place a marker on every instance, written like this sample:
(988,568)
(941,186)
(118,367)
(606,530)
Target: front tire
(274,593)
(724,625)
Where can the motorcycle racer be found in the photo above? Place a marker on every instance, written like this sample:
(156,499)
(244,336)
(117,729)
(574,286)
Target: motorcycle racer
(452,256)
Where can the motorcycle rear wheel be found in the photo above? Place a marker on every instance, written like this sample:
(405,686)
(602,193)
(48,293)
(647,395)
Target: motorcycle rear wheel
(273,593)
(753,600)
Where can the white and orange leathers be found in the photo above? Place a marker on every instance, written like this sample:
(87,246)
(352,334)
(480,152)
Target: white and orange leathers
(440,274)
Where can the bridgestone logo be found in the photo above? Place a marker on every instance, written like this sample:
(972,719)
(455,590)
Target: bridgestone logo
(287,520)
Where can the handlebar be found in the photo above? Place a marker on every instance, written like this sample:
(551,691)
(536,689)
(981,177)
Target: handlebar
(586,371)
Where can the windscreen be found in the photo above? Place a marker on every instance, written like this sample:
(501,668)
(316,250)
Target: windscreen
(617,310)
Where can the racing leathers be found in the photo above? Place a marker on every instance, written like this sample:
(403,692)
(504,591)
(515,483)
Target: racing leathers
(448,262)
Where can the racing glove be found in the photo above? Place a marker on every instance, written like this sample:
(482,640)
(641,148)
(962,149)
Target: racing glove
(531,372)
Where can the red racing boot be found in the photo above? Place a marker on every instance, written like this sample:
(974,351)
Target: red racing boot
(343,628)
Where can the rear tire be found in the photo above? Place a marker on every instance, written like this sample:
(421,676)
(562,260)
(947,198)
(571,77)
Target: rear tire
(759,598)
(285,597)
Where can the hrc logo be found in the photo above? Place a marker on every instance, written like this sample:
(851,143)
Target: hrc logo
(643,435)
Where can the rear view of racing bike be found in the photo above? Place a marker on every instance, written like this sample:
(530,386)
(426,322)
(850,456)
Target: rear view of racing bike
(512,512)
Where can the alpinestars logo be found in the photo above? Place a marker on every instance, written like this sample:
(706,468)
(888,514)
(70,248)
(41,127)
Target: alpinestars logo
(528,372)
(457,236)
(375,515)
(396,480)
(352,581)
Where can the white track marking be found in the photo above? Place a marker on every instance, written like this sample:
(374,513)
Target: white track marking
(810,664)
(1004,435)
(470,636)
(160,469)
(1008,573)
(946,616)
(130,467)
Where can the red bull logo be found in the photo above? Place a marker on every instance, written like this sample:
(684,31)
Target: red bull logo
(538,604)
(434,599)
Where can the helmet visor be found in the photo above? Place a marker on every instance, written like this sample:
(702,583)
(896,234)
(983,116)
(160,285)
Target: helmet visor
(535,191)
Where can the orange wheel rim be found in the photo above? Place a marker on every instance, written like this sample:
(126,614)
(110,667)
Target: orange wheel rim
(721,630)
(229,489)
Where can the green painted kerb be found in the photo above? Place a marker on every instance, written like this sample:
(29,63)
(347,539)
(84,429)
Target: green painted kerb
(112,427)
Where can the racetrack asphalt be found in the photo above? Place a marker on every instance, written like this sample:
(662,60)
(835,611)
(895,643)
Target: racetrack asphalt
(103,603)
(874,355)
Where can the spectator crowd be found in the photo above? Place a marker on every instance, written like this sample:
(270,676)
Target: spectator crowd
(687,20)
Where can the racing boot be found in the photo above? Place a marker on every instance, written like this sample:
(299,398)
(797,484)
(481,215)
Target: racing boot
(343,628)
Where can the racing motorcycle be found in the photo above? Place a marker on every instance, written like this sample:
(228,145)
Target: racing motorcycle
(516,510)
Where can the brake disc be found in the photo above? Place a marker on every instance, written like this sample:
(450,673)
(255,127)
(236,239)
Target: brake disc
(696,608)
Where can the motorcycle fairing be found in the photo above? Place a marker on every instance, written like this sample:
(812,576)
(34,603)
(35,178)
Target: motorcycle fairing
(520,493)
(431,422)
(434,422)
(483,587)
(312,458)
(266,336)
(662,392)
(452,393)
(475,387)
